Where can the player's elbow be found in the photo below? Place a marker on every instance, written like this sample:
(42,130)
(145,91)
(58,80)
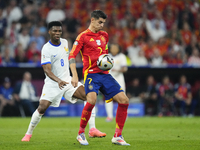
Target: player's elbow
(72,61)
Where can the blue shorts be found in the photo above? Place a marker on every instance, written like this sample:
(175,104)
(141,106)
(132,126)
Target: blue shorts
(102,82)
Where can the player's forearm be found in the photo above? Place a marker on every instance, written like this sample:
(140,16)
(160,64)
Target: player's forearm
(72,65)
(73,69)
(51,75)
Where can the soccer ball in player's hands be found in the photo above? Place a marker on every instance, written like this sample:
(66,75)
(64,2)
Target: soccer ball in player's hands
(105,62)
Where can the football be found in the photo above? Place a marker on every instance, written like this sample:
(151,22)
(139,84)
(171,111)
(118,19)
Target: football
(105,62)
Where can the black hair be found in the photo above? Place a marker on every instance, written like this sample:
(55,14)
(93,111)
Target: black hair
(53,23)
(98,14)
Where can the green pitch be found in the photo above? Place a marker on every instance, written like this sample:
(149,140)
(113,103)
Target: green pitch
(142,133)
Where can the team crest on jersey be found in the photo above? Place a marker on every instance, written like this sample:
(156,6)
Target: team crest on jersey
(98,42)
(67,50)
(75,43)
(103,39)
(90,87)
(43,56)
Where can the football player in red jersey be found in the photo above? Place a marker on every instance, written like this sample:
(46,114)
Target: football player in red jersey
(91,44)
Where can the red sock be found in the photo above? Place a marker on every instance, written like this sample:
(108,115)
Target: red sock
(120,118)
(86,113)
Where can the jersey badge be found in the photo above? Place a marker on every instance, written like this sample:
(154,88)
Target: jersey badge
(44,94)
(103,39)
(75,43)
(91,39)
(98,42)
(90,87)
(66,49)
(43,56)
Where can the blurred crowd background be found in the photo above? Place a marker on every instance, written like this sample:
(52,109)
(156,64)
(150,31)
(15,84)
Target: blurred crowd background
(149,32)
(156,32)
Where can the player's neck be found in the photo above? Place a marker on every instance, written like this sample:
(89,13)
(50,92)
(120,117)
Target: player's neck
(92,29)
(55,42)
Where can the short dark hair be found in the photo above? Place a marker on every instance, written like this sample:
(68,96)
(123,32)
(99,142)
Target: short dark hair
(98,14)
(53,23)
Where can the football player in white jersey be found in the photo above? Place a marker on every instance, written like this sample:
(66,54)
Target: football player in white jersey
(54,61)
(120,67)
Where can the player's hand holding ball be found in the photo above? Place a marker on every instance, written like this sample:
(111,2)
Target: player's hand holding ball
(105,62)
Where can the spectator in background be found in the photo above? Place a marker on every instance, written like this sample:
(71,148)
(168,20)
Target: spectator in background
(140,59)
(149,96)
(186,34)
(120,67)
(157,59)
(149,51)
(71,24)
(6,101)
(174,33)
(32,50)
(194,59)
(158,19)
(134,49)
(165,97)
(157,32)
(6,45)
(7,60)
(56,13)
(12,33)
(36,37)
(13,13)
(35,60)
(185,15)
(20,55)
(43,10)
(183,96)
(24,38)
(134,91)
(3,25)
(169,17)
(25,94)
(144,20)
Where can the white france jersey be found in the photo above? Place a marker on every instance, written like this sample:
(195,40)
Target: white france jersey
(119,62)
(57,56)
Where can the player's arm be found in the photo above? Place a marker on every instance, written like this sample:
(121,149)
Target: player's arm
(72,65)
(78,44)
(49,73)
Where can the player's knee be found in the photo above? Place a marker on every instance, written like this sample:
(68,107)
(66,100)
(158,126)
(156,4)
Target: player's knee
(124,100)
(42,108)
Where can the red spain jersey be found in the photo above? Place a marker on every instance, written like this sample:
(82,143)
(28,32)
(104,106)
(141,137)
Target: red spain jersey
(91,46)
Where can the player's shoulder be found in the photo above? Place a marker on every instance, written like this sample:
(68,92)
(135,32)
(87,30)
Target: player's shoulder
(45,46)
(63,40)
(82,34)
(104,33)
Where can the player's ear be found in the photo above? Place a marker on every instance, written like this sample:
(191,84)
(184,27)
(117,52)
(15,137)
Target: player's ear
(92,19)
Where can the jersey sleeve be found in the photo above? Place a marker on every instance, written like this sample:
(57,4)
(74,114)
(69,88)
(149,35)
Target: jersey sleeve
(46,57)
(77,46)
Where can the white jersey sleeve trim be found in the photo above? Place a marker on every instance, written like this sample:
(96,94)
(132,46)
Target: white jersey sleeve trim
(45,63)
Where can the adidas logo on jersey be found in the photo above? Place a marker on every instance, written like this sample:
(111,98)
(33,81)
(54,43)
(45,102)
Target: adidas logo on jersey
(91,39)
